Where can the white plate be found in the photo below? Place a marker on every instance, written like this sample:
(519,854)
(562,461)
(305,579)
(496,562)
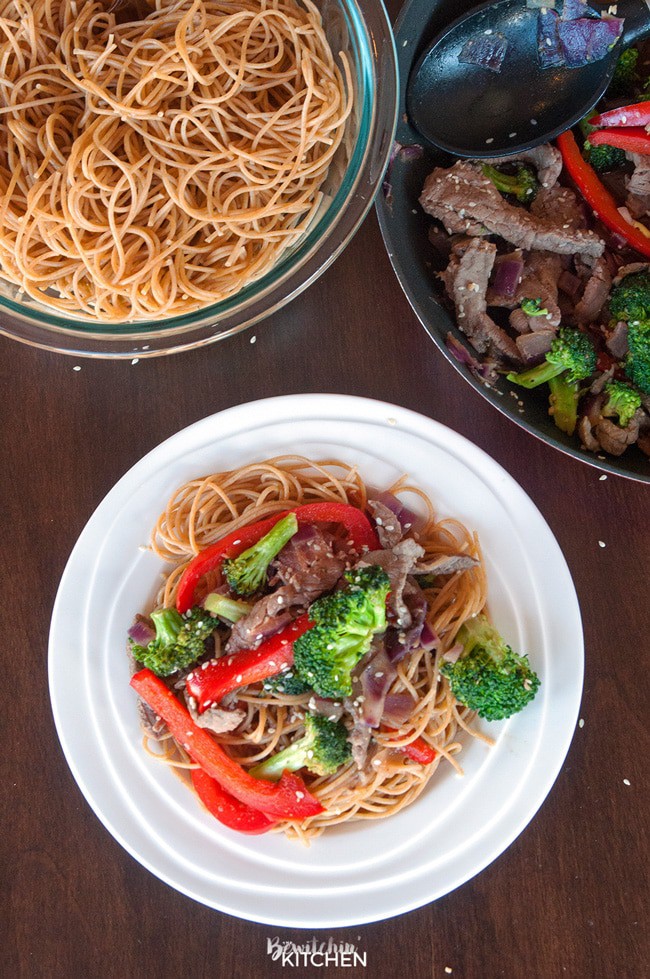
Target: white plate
(366,871)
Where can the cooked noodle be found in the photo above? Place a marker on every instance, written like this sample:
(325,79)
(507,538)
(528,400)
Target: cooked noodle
(205,510)
(151,168)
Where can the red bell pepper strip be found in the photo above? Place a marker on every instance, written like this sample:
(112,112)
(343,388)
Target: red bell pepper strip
(634,139)
(596,194)
(420,751)
(228,810)
(213,557)
(354,520)
(210,683)
(637,114)
(286,799)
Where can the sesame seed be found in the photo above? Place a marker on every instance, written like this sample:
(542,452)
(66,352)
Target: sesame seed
(626,781)
(533,122)
(490,139)
(581,722)
(238,678)
(601,543)
(76,368)
(601,478)
(512,135)
(253,339)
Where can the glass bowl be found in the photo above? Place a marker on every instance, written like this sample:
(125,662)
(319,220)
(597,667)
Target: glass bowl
(363,33)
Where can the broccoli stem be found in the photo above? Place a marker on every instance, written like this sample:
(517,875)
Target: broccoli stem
(229,609)
(289,759)
(534,376)
(563,402)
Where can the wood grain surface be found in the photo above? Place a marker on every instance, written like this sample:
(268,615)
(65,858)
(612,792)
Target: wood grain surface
(568,898)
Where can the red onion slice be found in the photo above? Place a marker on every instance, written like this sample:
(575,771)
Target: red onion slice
(507,276)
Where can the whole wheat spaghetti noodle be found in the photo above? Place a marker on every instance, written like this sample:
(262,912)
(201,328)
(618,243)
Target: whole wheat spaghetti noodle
(205,510)
(151,168)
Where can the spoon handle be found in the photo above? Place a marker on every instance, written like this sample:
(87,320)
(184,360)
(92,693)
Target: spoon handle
(637,19)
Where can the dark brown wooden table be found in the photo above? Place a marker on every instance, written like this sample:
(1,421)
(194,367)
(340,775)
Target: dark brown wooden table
(568,898)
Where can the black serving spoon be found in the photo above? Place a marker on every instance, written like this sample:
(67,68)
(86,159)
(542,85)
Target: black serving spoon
(473,111)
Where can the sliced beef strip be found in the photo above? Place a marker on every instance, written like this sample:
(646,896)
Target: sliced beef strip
(153,725)
(595,294)
(311,563)
(446,564)
(616,341)
(643,440)
(398,563)
(466,280)
(533,347)
(638,186)
(268,616)
(216,719)
(462,198)
(562,207)
(389,530)
(546,159)
(542,271)
(599,433)
(614,439)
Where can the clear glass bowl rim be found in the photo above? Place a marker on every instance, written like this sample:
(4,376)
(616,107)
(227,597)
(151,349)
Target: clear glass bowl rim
(374,37)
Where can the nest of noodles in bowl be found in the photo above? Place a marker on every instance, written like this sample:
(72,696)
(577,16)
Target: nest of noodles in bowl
(172,172)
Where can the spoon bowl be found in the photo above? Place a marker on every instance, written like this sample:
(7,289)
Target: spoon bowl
(472,111)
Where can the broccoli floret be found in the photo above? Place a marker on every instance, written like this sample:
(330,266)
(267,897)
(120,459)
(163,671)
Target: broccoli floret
(323,748)
(602,158)
(179,640)
(231,610)
(247,573)
(346,621)
(571,354)
(630,299)
(523,184)
(490,677)
(625,79)
(286,682)
(622,402)
(563,403)
(637,364)
(533,307)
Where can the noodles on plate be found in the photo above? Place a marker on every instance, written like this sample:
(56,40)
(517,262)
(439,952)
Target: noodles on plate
(151,168)
(205,510)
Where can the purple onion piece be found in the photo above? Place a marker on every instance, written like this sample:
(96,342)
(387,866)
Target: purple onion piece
(375,682)
(398,707)
(141,632)
(463,356)
(548,39)
(428,638)
(507,276)
(413,151)
(484,51)
(573,9)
